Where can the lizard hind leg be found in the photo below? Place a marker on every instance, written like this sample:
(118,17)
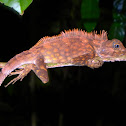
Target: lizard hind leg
(22,73)
(40,70)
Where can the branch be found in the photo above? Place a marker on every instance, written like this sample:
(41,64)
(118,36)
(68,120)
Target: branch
(2,64)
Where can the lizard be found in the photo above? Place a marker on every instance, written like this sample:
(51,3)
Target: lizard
(70,48)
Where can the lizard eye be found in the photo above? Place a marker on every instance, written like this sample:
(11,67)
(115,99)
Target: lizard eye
(115,45)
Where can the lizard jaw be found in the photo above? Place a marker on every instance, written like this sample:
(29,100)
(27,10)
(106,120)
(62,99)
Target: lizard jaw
(113,59)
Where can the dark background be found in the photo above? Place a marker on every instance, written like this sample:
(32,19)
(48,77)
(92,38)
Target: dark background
(74,95)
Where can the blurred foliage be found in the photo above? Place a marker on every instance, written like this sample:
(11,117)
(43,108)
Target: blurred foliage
(117,29)
(18,5)
(90,13)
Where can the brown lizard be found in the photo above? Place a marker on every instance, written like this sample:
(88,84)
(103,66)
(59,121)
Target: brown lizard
(72,47)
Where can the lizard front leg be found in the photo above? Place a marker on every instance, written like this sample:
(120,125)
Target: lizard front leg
(95,62)
(82,60)
(88,60)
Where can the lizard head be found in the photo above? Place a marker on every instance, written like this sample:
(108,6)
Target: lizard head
(112,50)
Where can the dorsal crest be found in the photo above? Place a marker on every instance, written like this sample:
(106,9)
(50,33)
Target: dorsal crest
(89,35)
(75,33)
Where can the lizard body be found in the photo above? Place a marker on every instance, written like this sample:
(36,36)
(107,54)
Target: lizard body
(72,47)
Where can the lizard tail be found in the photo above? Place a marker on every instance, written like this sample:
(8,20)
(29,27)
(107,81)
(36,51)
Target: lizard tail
(2,77)
(15,62)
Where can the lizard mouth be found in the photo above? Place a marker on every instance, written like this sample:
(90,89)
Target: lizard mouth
(113,59)
(115,56)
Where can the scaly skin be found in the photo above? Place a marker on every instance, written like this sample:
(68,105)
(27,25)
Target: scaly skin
(73,47)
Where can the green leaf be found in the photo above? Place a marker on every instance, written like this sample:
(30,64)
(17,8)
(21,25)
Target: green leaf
(18,5)
(90,13)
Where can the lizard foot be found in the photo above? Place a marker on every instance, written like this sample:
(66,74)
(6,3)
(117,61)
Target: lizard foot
(95,63)
(22,73)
